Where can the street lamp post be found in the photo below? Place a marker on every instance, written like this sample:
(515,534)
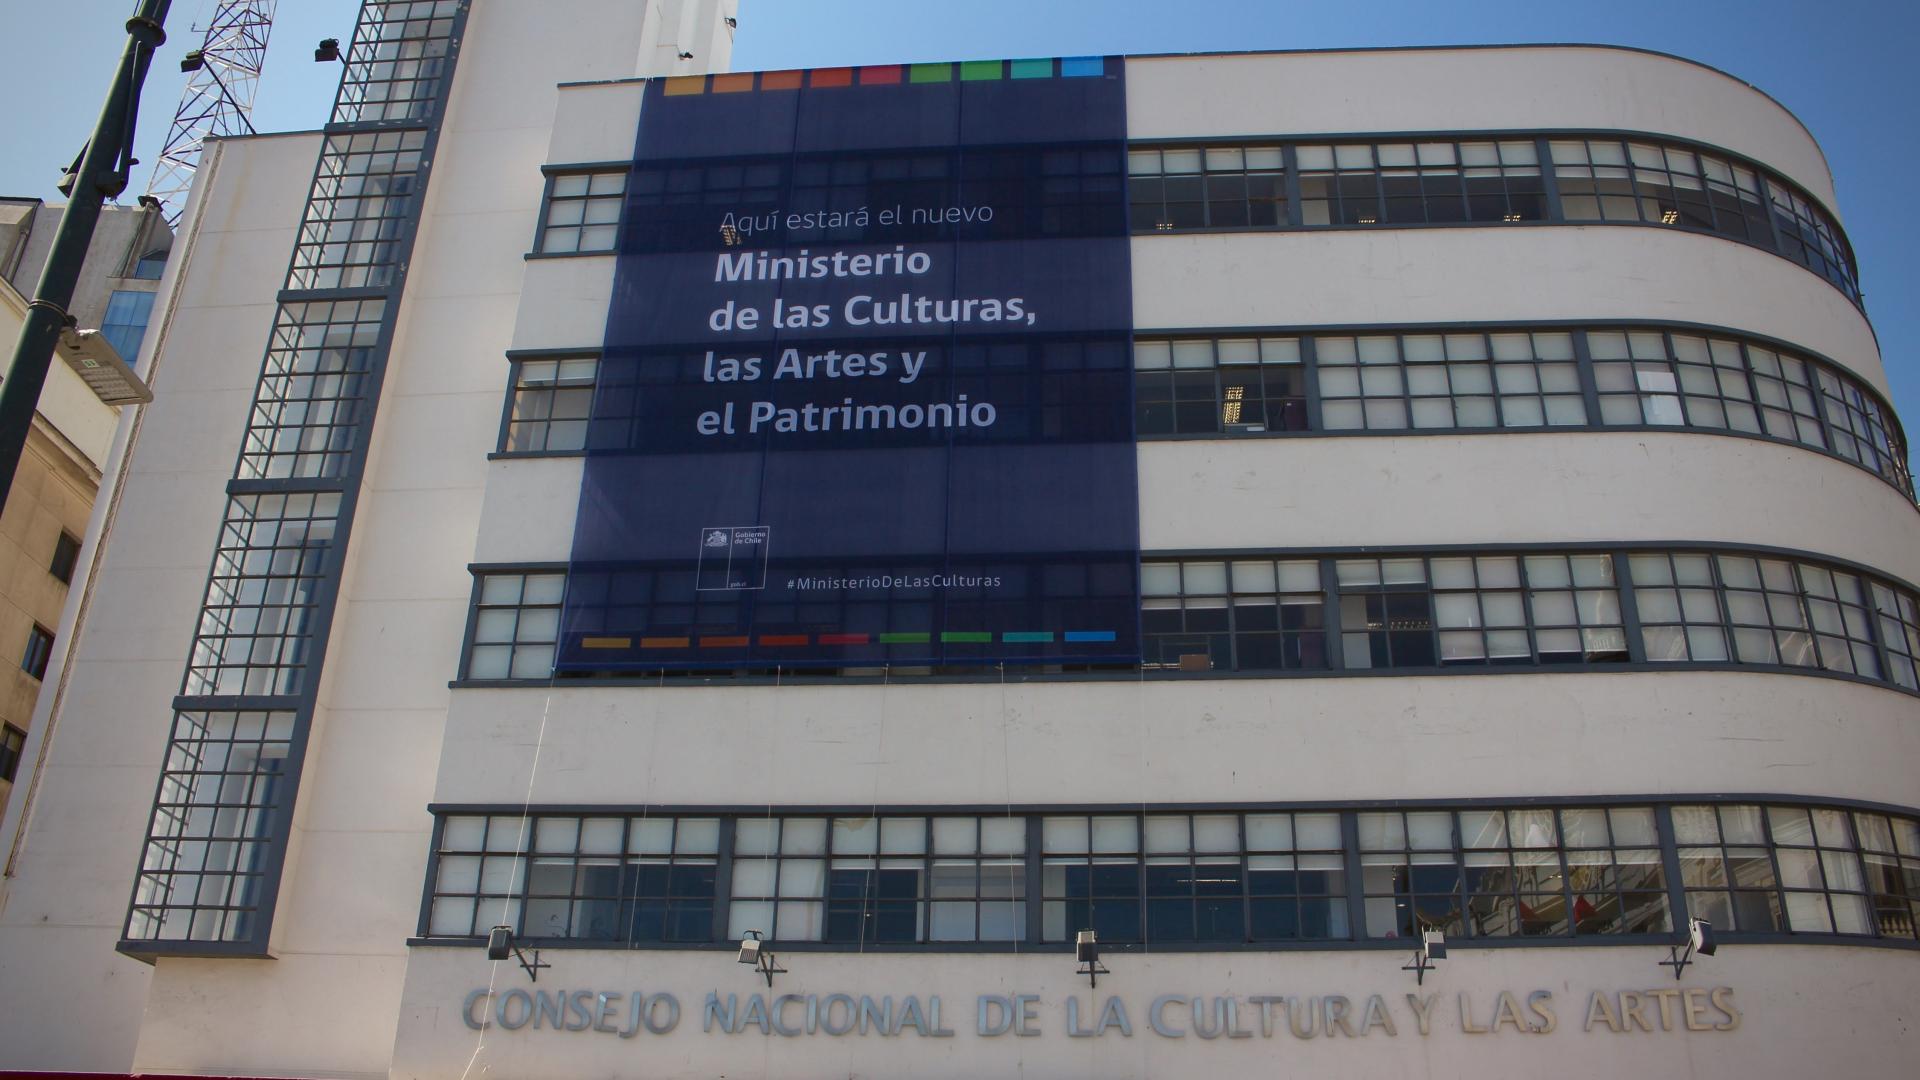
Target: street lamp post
(101,172)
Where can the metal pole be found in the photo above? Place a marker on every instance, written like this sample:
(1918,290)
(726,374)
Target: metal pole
(100,173)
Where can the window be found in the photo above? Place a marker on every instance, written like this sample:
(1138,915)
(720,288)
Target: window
(1154,876)
(1192,878)
(1862,428)
(125,323)
(66,555)
(256,622)
(1748,610)
(551,404)
(1891,853)
(1418,183)
(12,742)
(222,795)
(150,266)
(1389,382)
(1900,633)
(1489,609)
(39,651)
(1209,385)
(1246,615)
(582,213)
(1194,187)
(314,385)
(516,624)
(1772,869)
(1516,873)
(363,195)
(396,62)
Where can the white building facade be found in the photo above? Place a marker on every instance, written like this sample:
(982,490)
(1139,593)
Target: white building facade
(1525,548)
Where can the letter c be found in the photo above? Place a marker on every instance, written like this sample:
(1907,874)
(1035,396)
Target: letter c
(1159,1023)
(466,1009)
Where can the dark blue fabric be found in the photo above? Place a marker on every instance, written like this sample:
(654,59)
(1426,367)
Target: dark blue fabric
(699,519)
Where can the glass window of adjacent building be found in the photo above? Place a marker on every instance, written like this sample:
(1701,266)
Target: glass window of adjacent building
(125,323)
(1415,183)
(551,405)
(1465,380)
(1194,187)
(582,213)
(12,742)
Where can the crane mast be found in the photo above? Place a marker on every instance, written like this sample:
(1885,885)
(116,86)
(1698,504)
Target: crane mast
(223,75)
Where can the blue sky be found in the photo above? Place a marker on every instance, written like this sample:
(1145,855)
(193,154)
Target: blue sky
(1843,66)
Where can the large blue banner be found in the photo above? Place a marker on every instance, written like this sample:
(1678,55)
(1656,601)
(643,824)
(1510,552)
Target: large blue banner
(866,396)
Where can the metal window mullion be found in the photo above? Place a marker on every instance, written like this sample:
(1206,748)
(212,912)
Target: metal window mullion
(1036,879)
(1549,183)
(1670,865)
(1290,161)
(1310,381)
(1630,608)
(1357,929)
(723,879)
(1330,615)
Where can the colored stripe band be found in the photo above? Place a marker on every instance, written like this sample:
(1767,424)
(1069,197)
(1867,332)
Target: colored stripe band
(1027,635)
(843,639)
(981,636)
(783,639)
(665,642)
(606,643)
(905,639)
(1089,635)
(727,642)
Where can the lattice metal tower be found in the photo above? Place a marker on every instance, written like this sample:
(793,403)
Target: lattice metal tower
(218,99)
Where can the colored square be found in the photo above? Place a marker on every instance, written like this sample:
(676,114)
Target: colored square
(738,82)
(1080,67)
(682,85)
(1033,69)
(820,77)
(979,70)
(780,80)
(884,75)
(932,73)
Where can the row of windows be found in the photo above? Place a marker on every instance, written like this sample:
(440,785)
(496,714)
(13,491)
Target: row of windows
(1272,184)
(1178,878)
(1407,611)
(1456,379)
(1441,380)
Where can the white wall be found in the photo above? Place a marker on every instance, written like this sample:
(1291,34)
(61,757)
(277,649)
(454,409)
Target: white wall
(67,903)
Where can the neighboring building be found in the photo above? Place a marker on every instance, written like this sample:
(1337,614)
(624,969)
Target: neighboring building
(1413,505)
(120,276)
(47,511)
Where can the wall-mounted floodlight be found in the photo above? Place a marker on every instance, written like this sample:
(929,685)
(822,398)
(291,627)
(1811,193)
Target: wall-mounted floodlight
(1433,946)
(1699,941)
(500,946)
(686,56)
(94,359)
(193,61)
(1086,951)
(754,952)
(327,51)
